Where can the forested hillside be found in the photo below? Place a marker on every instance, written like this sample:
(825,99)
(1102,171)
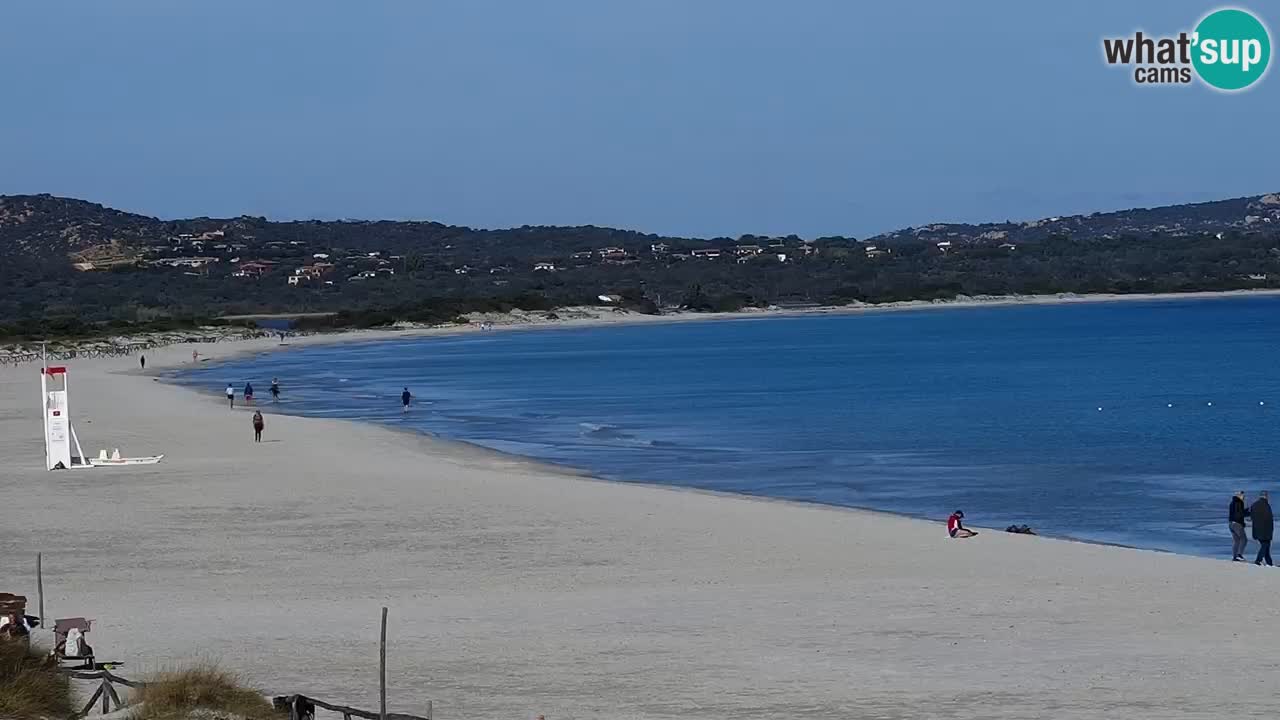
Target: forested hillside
(72,267)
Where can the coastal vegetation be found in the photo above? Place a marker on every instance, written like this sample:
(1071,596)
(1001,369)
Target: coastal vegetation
(178,694)
(70,268)
(30,684)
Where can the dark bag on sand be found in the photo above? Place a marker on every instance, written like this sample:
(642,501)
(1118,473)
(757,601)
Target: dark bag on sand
(298,707)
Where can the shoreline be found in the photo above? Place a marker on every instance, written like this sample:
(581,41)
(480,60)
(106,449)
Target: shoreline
(461,449)
(465,447)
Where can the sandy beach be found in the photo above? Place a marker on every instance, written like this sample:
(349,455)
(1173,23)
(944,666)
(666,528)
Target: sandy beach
(517,589)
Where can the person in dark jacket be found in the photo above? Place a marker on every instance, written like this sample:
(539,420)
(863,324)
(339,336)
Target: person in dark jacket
(1263,527)
(1237,511)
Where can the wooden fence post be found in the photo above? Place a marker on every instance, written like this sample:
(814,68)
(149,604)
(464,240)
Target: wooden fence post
(382,668)
(44,622)
(89,705)
(111,690)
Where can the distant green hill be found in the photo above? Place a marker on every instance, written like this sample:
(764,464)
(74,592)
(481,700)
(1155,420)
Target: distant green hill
(71,266)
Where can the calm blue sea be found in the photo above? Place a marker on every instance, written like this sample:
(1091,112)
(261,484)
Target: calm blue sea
(1123,423)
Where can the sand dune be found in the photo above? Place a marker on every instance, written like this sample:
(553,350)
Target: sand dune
(515,589)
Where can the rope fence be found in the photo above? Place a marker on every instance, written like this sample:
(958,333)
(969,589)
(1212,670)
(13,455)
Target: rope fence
(19,354)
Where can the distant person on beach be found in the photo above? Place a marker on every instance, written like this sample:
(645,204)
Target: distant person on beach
(258,425)
(231,395)
(195,356)
(405,397)
(143,362)
(1237,511)
(248,393)
(275,389)
(1263,527)
(956,529)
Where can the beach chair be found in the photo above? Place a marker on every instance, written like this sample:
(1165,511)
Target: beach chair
(71,644)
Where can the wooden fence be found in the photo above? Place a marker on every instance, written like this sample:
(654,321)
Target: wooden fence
(106,688)
(20,353)
(106,692)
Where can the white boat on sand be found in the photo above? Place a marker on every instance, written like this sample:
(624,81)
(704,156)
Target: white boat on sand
(103,461)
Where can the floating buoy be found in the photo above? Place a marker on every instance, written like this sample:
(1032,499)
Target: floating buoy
(1099,409)
(1169,405)
(1209,404)
(1261,403)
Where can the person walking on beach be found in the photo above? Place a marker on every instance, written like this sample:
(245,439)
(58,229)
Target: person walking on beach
(195,356)
(231,396)
(143,362)
(405,397)
(248,393)
(275,389)
(1263,527)
(1237,511)
(956,529)
(258,425)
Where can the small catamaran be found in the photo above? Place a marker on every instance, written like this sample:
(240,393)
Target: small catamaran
(115,459)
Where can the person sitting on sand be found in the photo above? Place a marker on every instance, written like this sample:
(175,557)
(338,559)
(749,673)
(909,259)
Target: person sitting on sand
(258,425)
(955,528)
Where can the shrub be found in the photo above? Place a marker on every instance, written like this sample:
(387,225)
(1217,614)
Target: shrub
(30,684)
(176,694)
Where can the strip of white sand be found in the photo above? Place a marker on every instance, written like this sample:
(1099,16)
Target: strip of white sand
(515,589)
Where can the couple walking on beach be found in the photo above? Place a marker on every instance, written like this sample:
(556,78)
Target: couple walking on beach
(1259,513)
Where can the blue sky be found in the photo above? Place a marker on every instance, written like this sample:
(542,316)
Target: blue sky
(698,117)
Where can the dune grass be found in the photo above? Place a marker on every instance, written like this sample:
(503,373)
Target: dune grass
(179,693)
(30,685)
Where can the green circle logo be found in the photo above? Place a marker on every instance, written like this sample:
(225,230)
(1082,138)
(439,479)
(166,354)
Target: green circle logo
(1232,49)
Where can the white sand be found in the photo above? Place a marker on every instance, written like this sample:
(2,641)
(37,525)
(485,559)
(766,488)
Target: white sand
(515,589)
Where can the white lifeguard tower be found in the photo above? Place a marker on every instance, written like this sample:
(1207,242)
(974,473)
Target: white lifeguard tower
(58,433)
